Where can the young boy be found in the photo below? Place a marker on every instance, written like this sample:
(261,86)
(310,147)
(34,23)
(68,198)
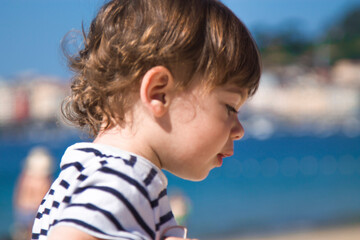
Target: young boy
(159,84)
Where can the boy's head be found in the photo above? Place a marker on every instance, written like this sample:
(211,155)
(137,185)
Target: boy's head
(129,37)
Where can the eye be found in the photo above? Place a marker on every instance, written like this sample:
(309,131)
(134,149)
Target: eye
(231,109)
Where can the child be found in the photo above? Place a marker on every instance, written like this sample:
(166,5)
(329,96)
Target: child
(159,84)
(32,185)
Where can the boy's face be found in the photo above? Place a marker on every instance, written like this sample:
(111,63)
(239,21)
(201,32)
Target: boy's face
(204,126)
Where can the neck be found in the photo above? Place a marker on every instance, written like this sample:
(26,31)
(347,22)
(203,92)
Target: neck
(128,140)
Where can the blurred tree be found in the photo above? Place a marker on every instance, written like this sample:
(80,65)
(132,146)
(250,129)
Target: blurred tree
(344,37)
(289,45)
(284,46)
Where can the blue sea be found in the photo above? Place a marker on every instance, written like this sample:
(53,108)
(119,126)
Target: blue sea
(279,184)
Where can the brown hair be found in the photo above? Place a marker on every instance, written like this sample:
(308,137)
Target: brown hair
(129,37)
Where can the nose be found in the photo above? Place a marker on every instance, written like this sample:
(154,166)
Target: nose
(237,131)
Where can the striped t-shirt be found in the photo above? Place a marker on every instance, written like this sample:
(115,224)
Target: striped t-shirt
(107,193)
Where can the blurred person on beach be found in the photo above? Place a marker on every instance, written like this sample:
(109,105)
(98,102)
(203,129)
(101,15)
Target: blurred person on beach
(180,206)
(33,183)
(158,84)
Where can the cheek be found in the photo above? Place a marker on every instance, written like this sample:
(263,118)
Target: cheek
(184,110)
(210,135)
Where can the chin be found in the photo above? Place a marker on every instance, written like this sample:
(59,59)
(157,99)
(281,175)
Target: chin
(194,177)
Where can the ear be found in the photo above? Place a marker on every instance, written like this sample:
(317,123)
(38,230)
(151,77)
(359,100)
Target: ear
(156,90)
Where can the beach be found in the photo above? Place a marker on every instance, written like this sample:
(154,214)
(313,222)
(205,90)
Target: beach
(351,232)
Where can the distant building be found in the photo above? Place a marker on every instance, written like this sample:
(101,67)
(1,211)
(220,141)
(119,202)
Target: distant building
(45,99)
(346,73)
(21,105)
(308,100)
(6,104)
(31,99)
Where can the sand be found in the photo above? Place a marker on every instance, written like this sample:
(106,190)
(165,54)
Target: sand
(335,233)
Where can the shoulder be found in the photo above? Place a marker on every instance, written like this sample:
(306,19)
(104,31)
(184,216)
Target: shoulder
(107,192)
(111,161)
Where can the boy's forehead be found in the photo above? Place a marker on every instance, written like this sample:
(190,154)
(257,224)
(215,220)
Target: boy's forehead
(232,88)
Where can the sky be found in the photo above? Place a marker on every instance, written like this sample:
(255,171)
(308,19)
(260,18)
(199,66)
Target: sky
(31,31)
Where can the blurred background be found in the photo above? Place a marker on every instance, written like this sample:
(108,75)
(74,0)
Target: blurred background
(295,174)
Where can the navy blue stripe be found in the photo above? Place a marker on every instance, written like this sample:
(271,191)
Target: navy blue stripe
(162,193)
(81,223)
(155,202)
(163,219)
(88,226)
(128,179)
(56,204)
(43,232)
(39,215)
(67,199)
(65,184)
(35,236)
(123,199)
(82,177)
(77,165)
(130,162)
(104,212)
(150,176)
(46,211)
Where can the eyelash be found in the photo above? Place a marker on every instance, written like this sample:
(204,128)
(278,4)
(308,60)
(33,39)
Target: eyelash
(231,109)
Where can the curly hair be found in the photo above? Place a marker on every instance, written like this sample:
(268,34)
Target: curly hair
(129,37)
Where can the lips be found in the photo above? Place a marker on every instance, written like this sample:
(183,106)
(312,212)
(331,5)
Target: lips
(227,154)
(221,156)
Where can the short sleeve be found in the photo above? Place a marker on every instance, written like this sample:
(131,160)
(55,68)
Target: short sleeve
(110,207)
